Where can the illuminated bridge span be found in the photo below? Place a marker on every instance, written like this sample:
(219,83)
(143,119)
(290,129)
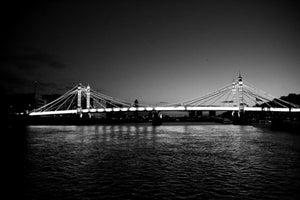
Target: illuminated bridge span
(239,96)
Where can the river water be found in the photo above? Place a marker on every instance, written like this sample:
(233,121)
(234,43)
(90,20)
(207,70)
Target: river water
(163,162)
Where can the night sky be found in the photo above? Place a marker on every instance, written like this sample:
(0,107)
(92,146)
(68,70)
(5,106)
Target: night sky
(155,51)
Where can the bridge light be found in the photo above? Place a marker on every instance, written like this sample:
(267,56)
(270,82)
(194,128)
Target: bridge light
(116,109)
(140,108)
(132,109)
(149,108)
(124,109)
(88,96)
(295,110)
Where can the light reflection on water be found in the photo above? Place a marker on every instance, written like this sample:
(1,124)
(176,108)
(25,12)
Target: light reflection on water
(164,162)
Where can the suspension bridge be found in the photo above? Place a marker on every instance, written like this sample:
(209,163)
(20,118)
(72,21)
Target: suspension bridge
(238,96)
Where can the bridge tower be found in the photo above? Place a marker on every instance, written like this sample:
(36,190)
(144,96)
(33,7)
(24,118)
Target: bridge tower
(233,92)
(240,87)
(88,97)
(79,91)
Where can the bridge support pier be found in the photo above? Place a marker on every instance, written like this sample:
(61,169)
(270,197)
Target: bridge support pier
(238,117)
(89,115)
(212,113)
(195,113)
(156,118)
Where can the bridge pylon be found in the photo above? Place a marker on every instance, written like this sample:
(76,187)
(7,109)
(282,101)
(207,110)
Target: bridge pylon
(156,118)
(233,90)
(88,99)
(240,94)
(79,93)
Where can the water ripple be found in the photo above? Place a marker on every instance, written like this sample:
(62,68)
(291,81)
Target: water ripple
(166,162)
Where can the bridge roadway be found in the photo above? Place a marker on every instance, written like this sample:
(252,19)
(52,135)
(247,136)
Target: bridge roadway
(163,108)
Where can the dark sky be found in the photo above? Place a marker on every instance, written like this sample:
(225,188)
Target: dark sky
(156,51)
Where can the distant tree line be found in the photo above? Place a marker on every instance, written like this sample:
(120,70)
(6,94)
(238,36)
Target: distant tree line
(292,97)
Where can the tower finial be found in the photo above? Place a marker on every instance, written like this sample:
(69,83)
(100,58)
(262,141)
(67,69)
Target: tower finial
(240,76)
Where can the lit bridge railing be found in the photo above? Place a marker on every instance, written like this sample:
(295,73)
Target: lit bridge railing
(166,108)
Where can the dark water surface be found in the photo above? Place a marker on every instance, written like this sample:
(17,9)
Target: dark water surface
(164,162)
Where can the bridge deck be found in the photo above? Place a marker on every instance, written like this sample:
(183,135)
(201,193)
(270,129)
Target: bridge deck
(161,108)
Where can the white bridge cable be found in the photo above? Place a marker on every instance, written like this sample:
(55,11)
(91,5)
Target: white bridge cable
(61,102)
(126,102)
(193,102)
(102,99)
(263,99)
(107,99)
(227,97)
(276,102)
(54,106)
(251,95)
(110,101)
(259,92)
(215,97)
(207,96)
(67,93)
(64,103)
(268,98)
(289,103)
(71,103)
(118,101)
(257,95)
(96,101)
(54,103)
(249,98)
(273,97)
(184,102)
(113,103)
